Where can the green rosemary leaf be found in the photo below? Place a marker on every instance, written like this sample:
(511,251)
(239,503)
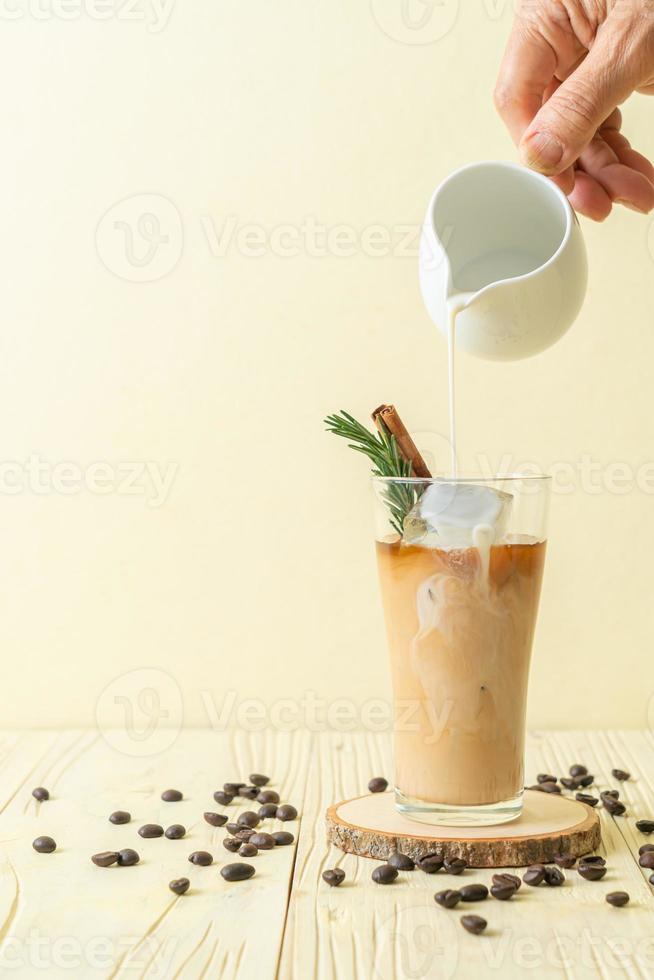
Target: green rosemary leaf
(382,450)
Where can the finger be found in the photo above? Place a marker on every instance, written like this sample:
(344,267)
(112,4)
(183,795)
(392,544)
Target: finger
(527,68)
(565,181)
(621,182)
(590,198)
(569,120)
(630,157)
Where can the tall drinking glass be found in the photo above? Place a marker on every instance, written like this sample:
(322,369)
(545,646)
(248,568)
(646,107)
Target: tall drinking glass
(460,566)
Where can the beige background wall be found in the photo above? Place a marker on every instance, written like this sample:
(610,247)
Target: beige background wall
(308,124)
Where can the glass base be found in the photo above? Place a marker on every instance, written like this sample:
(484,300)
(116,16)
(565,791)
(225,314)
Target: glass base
(486,815)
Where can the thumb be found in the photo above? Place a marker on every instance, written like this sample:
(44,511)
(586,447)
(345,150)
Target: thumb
(568,121)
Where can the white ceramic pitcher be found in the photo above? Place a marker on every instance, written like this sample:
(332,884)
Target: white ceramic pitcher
(508,239)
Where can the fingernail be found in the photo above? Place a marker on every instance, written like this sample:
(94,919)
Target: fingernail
(542,151)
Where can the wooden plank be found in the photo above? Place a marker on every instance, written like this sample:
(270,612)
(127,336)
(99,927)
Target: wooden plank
(365,930)
(63,917)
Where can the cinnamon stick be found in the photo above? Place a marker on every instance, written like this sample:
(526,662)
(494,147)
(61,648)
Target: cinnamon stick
(387,419)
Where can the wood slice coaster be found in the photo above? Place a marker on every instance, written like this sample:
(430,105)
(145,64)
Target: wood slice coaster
(550,824)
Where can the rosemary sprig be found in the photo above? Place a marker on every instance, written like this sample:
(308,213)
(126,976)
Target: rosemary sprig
(382,450)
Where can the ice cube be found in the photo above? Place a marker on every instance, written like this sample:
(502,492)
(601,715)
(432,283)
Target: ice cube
(447,514)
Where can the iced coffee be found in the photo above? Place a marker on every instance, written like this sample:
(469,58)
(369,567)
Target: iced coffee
(460,582)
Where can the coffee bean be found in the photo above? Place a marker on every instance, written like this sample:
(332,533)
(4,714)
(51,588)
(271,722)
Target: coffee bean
(258,780)
(645,826)
(610,794)
(587,799)
(591,872)
(44,845)
(127,857)
(245,834)
(286,812)
(554,877)
(646,860)
(534,875)
(620,774)
(378,785)
(577,771)
(282,838)
(267,810)
(430,863)
(223,798)
(265,842)
(105,858)
(172,796)
(179,885)
(644,848)
(401,861)
(614,807)
(268,796)
(232,788)
(617,899)
(237,872)
(248,850)
(175,832)
(454,866)
(474,893)
(233,827)
(215,819)
(40,794)
(120,816)
(385,874)
(504,878)
(248,819)
(592,862)
(545,778)
(448,898)
(587,780)
(333,876)
(565,860)
(569,782)
(232,843)
(203,858)
(473,923)
(150,830)
(503,891)
(248,792)
(550,787)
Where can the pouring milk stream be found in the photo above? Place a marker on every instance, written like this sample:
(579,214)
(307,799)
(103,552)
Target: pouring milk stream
(503,275)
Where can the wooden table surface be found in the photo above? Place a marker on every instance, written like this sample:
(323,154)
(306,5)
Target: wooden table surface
(63,917)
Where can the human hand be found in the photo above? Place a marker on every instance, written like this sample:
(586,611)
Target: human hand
(568,65)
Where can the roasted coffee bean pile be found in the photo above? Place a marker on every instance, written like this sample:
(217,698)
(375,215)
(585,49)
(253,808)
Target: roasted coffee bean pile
(505,885)
(580,779)
(245,834)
